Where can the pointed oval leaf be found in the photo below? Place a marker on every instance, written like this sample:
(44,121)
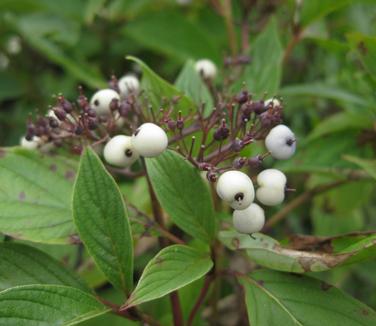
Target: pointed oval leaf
(191,84)
(158,90)
(269,253)
(171,269)
(47,305)
(275,298)
(24,265)
(102,222)
(35,196)
(264,73)
(183,194)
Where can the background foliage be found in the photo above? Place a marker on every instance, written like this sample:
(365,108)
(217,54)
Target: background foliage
(325,72)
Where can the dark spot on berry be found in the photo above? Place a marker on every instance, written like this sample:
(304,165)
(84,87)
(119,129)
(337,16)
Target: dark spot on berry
(96,102)
(290,141)
(128,153)
(22,196)
(239,196)
(53,167)
(137,131)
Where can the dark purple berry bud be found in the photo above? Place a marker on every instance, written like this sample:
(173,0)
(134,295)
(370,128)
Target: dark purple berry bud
(91,113)
(255,162)
(53,123)
(222,132)
(124,109)
(171,124)
(237,145)
(239,162)
(212,176)
(60,113)
(259,107)
(180,121)
(242,97)
(79,130)
(92,124)
(114,104)
(65,104)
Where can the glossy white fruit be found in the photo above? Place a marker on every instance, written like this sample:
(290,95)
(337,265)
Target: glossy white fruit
(274,101)
(270,196)
(249,220)
(206,68)
(236,188)
(128,84)
(281,142)
(119,151)
(150,140)
(30,144)
(272,183)
(271,178)
(101,100)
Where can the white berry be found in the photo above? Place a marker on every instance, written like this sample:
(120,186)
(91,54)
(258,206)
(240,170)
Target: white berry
(128,84)
(270,196)
(206,68)
(275,102)
(271,178)
(150,140)
(236,188)
(272,183)
(30,144)
(281,142)
(120,152)
(249,220)
(101,100)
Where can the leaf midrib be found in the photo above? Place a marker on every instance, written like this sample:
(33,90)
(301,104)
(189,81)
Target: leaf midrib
(274,298)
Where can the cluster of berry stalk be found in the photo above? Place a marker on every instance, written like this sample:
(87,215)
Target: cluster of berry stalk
(122,126)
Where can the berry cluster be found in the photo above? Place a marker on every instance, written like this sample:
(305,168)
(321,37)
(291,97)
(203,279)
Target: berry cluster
(121,123)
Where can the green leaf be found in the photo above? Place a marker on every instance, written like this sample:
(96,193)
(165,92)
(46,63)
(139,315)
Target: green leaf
(191,84)
(9,87)
(367,165)
(265,71)
(341,122)
(365,47)
(269,253)
(274,298)
(102,222)
(313,10)
(24,265)
(184,41)
(183,194)
(91,10)
(320,89)
(35,196)
(158,90)
(45,33)
(323,154)
(171,269)
(47,305)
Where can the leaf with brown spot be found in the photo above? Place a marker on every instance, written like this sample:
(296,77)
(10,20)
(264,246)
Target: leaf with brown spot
(269,253)
(35,202)
(275,298)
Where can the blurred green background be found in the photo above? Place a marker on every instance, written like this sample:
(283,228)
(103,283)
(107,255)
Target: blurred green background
(327,81)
